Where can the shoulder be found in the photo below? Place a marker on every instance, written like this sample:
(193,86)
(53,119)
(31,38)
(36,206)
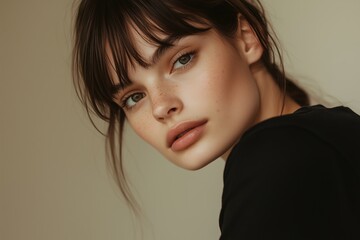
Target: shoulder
(278,154)
(314,118)
(309,136)
(317,119)
(285,170)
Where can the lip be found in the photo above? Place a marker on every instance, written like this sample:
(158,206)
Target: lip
(191,131)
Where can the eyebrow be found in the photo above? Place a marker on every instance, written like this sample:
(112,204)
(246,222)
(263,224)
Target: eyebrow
(169,43)
(159,52)
(117,87)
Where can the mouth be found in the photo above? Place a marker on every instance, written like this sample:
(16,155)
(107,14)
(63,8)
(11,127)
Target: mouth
(185,134)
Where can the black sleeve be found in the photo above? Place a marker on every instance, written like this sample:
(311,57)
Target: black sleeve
(286,183)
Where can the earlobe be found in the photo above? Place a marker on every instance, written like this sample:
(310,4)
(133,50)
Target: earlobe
(248,41)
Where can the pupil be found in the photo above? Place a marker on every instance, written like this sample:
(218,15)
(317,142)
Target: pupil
(184,59)
(136,97)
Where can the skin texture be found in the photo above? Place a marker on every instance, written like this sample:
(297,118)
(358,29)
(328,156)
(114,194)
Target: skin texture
(221,81)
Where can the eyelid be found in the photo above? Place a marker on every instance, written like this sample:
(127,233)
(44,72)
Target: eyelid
(126,97)
(123,94)
(123,100)
(118,97)
(181,54)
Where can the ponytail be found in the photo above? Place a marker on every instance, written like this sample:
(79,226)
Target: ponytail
(289,87)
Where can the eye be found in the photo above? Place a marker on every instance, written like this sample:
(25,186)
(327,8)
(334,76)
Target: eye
(132,100)
(183,60)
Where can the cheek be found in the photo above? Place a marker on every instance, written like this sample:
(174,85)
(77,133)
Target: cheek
(143,126)
(225,84)
(230,92)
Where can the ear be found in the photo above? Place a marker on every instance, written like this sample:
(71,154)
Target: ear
(248,42)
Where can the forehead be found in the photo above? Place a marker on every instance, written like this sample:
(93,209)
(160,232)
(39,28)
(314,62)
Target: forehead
(146,45)
(138,45)
(135,47)
(148,51)
(146,42)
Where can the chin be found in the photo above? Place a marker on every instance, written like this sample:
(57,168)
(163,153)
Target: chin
(194,161)
(193,166)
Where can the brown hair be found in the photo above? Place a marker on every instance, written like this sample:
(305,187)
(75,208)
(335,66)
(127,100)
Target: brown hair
(106,23)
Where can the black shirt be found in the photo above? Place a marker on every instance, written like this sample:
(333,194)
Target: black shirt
(295,176)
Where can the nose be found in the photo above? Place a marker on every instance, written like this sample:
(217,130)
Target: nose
(165,105)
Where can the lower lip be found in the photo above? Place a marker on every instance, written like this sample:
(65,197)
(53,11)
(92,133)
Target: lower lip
(188,139)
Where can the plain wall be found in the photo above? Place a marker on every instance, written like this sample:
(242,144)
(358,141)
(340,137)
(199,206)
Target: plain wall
(53,178)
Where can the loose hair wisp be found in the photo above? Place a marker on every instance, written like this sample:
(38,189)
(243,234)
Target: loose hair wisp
(102,30)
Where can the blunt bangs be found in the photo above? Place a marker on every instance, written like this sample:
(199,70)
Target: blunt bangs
(106,30)
(104,51)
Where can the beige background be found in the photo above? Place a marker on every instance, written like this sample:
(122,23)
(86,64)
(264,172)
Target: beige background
(53,180)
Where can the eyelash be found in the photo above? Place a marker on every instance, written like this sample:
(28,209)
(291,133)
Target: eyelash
(123,104)
(191,53)
(127,97)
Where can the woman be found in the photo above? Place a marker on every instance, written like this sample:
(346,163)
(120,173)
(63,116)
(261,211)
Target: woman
(198,80)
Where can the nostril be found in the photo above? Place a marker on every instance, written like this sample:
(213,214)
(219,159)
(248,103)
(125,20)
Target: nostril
(165,107)
(172,110)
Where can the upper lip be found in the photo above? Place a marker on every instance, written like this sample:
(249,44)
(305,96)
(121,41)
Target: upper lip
(181,128)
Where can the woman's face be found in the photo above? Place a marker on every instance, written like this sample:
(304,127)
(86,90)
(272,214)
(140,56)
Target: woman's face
(195,101)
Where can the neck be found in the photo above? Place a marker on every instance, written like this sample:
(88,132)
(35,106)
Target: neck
(272,101)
